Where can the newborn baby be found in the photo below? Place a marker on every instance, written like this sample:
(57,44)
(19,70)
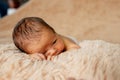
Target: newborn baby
(35,37)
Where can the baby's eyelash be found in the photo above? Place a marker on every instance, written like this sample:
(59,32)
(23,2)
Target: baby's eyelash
(54,41)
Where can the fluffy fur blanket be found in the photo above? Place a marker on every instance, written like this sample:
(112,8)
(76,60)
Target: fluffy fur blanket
(95,60)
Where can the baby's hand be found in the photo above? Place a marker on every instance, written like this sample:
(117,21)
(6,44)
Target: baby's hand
(38,56)
(50,57)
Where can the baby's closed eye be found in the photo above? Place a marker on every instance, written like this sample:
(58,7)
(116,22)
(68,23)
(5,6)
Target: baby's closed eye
(54,41)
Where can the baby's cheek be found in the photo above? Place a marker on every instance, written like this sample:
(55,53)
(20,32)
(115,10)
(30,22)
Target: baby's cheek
(62,46)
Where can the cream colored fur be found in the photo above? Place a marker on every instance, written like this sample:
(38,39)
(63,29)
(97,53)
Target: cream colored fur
(95,60)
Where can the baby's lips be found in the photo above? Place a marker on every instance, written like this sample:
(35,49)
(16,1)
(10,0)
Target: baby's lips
(57,52)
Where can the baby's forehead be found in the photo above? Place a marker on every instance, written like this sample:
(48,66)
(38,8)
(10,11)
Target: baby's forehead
(47,32)
(45,37)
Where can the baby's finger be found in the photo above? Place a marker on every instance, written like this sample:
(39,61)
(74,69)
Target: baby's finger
(52,57)
(41,56)
(48,57)
(37,56)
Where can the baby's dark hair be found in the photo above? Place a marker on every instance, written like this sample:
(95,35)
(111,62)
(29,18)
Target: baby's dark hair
(28,28)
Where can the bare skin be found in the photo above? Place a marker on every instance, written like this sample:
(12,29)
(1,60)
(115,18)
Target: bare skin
(49,45)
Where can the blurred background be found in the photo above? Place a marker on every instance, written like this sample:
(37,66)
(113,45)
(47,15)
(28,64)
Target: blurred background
(8,7)
(81,19)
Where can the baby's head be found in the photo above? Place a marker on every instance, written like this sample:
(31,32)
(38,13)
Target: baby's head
(34,35)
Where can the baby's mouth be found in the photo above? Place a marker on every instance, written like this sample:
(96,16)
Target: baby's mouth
(56,53)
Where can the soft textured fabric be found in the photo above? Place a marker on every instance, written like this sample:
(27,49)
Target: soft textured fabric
(95,60)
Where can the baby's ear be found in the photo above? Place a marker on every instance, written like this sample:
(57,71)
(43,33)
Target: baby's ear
(38,56)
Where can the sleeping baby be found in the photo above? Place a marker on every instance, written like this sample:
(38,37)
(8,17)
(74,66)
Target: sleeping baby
(35,37)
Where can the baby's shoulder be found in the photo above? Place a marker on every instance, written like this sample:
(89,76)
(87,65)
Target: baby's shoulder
(70,43)
(69,39)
